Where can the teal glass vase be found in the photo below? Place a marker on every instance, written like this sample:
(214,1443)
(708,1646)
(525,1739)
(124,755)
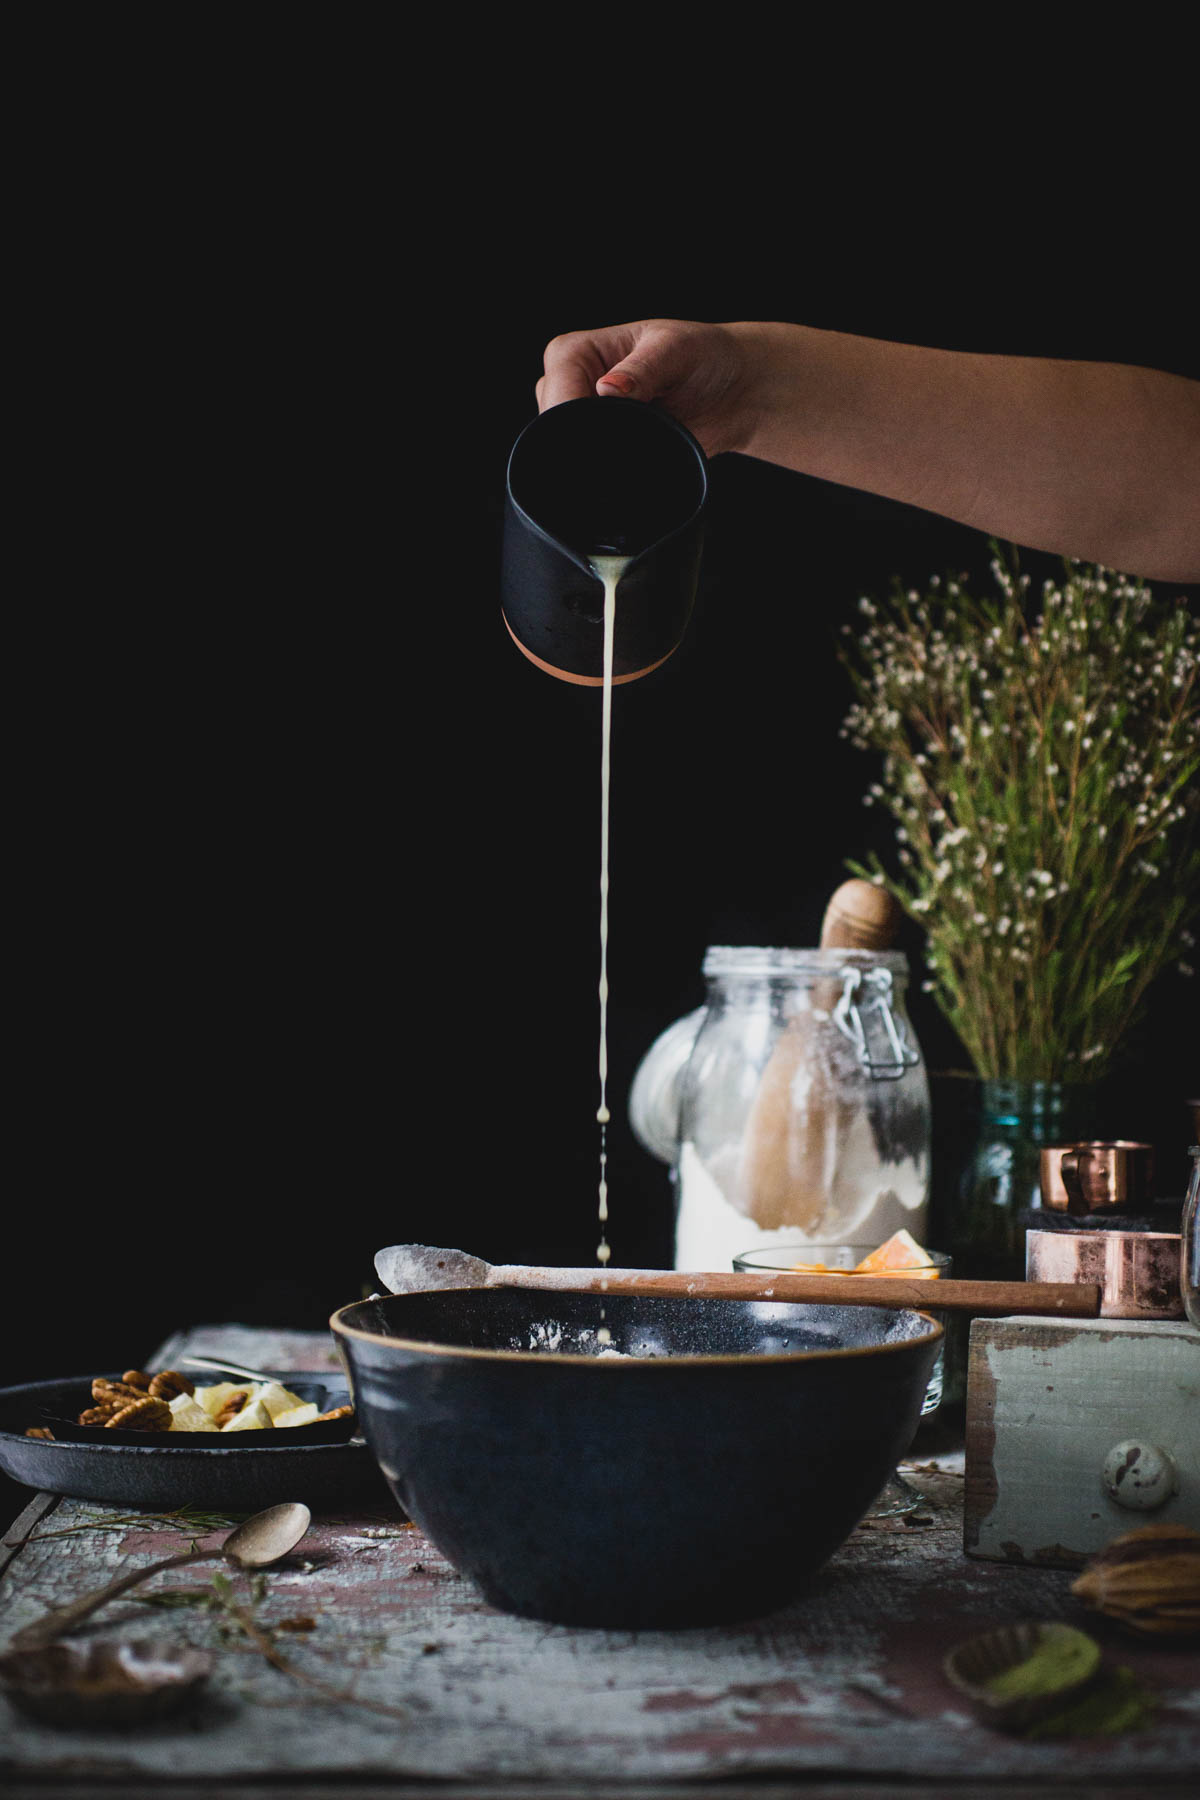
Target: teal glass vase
(1001,1180)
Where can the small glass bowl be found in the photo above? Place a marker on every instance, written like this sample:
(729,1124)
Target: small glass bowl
(846,1257)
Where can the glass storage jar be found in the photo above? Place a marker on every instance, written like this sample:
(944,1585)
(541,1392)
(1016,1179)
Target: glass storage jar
(801,1113)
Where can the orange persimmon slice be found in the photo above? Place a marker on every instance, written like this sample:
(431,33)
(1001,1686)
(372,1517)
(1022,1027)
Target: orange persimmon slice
(901,1255)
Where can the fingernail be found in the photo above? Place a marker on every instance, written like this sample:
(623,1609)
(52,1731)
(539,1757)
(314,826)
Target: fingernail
(622,383)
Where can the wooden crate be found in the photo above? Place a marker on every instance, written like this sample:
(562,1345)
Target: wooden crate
(1048,1405)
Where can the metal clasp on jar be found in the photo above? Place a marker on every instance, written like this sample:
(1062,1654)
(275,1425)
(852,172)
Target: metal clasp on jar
(848,1015)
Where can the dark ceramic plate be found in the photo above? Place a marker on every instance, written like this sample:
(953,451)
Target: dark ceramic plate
(315,1464)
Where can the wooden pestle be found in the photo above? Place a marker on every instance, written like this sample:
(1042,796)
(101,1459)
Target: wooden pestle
(791,1142)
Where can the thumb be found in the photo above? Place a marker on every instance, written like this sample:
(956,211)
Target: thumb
(656,364)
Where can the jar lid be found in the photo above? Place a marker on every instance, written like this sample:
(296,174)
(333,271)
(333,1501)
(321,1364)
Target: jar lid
(749,959)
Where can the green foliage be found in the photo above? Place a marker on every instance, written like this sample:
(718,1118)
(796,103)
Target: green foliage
(1041,767)
(191,1520)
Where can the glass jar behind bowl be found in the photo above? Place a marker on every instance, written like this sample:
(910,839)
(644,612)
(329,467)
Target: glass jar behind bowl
(804,1106)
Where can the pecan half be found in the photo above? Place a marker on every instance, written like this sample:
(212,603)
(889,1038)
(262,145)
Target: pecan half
(103,1389)
(231,1408)
(100,1415)
(40,1431)
(137,1378)
(337,1412)
(169,1383)
(143,1414)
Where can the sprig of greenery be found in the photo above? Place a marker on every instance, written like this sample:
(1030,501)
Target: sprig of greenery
(192,1521)
(1040,762)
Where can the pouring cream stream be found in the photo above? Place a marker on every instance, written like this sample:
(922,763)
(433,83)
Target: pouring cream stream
(609,569)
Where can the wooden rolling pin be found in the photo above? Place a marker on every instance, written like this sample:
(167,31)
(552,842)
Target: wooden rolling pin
(792,1140)
(417,1268)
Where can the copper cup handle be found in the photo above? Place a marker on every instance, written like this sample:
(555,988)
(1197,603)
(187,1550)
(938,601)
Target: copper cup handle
(1072,1180)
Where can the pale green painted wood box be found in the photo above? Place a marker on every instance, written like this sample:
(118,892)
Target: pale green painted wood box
(1078,1431)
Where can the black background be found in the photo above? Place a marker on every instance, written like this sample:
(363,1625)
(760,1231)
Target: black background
(306,857)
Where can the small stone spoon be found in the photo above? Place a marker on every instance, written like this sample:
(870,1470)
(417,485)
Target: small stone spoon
(254,1544)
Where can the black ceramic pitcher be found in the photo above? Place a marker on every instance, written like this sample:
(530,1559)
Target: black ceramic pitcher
(600,477)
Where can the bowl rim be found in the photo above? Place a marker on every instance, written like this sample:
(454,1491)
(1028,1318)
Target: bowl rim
(742,1360)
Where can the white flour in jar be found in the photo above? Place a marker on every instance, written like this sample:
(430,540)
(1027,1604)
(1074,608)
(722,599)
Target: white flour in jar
(866,1200)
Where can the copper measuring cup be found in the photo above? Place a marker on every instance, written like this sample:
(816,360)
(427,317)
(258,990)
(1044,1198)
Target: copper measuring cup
(1097,1176)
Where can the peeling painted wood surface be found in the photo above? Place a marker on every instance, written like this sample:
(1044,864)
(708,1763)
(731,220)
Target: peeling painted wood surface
(844,1684)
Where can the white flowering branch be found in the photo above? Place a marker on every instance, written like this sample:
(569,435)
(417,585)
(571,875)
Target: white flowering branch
(1041,767)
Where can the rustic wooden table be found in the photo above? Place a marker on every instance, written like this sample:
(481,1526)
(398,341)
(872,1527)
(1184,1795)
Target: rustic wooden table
(402,1681)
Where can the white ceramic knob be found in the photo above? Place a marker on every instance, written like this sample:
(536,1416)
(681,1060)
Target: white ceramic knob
(1140,1477)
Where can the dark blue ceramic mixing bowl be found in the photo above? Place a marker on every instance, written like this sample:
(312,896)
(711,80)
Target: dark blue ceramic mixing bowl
(696,1470)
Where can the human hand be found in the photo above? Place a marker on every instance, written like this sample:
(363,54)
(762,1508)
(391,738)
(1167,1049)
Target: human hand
(703,375)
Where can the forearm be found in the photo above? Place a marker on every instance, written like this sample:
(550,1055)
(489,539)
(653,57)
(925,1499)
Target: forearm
(1097,461)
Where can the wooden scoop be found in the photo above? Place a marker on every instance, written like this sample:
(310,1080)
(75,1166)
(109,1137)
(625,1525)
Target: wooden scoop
(419,1268)
(799,1118)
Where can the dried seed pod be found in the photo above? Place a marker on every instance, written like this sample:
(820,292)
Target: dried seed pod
(231,1408)
(143,1414)
(1147,1580)
(137,1378)
(168,1384)
(40,1431)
